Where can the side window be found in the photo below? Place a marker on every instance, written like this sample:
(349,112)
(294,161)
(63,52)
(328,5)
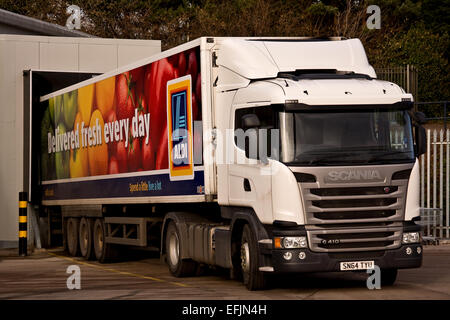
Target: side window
(267,118)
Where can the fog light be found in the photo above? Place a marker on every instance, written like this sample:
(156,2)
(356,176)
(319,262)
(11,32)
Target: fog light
(302,255)
(411,237)
(408,251)
(419,250)
(287,256)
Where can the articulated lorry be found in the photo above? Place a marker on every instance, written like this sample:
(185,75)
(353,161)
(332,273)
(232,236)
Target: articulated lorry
(259,155)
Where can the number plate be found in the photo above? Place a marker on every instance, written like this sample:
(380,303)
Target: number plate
(356,265)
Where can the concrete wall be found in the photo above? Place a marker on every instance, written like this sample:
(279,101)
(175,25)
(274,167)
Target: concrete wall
(18,53)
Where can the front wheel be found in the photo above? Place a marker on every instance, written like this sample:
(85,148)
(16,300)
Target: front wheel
(252,277)
(178,267)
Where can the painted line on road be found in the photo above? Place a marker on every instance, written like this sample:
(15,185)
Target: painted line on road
(130,274)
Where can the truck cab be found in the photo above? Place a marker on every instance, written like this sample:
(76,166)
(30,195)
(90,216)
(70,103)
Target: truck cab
(326,176)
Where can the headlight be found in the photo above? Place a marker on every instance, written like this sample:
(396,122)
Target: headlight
(290,242)
(411,237)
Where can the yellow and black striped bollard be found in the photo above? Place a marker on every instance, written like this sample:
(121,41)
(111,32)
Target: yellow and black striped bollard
(23,223)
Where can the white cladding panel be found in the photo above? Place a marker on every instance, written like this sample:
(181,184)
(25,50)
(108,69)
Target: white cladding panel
(18,53)
(258,59)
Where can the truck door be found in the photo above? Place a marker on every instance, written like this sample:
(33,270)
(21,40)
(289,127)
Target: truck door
(250,178)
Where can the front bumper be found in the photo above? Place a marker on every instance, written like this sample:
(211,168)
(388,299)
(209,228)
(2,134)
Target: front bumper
(322,262)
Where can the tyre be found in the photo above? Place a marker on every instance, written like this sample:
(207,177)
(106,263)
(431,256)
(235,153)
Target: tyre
(104,252)
(251,276)
(72,237)
(85,235)
(177,266)
(388,277)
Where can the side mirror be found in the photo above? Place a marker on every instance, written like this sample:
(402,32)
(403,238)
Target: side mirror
(250,124)
(421,140)
(250,121)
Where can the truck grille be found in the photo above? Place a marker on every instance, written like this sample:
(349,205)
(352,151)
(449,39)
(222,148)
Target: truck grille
(345,240)
(355,204)
(354,216)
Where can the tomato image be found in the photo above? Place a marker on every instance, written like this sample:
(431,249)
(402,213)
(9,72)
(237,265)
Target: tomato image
(113,166)
(148,156)
(161,72)
(136,74)
(85,102)
(124,97)
(104,94)
(194,107)
(162,155)
(111,118)
(137,80)
(198,87)
(181,64)
(122,156)
(98,154)
(134,155)
(192,65)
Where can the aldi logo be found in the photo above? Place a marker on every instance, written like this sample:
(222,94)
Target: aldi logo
(180,128)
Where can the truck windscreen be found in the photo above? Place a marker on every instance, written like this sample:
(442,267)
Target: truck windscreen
(377,136)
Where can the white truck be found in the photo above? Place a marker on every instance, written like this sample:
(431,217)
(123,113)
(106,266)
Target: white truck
(261,155)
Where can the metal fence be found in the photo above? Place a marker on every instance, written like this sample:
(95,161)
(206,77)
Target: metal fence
(406,77)
(434,184)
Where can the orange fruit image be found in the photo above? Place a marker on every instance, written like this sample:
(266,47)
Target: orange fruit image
(79,161)
(104,95)
(85,102)
(98,152)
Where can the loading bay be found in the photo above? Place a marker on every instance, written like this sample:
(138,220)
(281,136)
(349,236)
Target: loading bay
(43,275)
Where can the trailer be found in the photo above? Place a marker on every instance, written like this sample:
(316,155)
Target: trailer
(259,155)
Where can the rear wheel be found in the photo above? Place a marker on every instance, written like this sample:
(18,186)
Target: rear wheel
(178,267)
(86,235)
(104,252)
(72,237)
(388,277)
(251,276)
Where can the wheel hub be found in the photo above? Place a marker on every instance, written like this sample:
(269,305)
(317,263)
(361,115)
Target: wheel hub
(174,248)
(245,257)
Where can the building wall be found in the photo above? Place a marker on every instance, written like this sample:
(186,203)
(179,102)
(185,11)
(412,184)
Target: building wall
(18,53)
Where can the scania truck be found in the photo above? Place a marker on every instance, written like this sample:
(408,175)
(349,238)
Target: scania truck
(259,155)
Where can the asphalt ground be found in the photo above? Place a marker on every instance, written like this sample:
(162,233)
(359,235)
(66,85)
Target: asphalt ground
(142,275)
